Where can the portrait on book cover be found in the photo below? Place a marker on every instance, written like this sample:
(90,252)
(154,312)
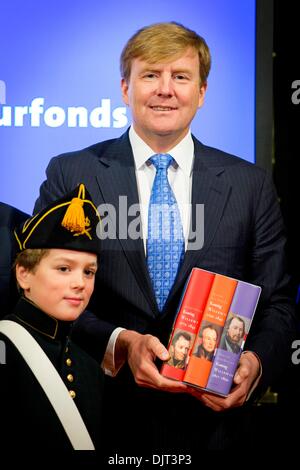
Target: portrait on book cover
(207,340)
(179,349)
(234,333)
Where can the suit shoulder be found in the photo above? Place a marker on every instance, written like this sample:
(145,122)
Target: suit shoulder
(227,159)
(91,152)
(215,158)
(10,215)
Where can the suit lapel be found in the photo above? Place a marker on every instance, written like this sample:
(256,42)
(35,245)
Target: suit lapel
(117,178)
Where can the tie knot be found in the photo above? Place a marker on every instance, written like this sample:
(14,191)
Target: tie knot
(161,161)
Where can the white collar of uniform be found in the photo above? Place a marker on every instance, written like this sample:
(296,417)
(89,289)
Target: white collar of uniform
(183,153)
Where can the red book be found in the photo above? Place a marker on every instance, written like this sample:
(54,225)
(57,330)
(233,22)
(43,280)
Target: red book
(187,322)
(210,329)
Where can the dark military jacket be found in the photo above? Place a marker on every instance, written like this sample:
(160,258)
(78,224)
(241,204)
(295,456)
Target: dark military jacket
(28,420)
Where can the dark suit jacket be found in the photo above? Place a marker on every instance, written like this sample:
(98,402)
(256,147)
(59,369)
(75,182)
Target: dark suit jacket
(10,217)
(243,238)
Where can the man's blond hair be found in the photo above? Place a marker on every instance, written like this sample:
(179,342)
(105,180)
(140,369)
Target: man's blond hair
(161,42)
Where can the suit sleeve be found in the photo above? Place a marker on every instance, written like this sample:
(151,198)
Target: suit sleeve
(274,324)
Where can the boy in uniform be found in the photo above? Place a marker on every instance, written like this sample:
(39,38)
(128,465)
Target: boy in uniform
(55,271)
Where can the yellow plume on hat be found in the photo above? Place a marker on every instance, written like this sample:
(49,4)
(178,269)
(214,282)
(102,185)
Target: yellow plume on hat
(70,222)
(74,219)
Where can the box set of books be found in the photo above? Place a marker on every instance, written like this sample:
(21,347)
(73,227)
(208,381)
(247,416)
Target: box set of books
(210,329)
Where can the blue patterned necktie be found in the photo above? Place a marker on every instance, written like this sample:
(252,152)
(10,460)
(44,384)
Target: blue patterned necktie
(165,242)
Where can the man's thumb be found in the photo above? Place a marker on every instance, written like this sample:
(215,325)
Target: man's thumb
(241,374)
(158,349)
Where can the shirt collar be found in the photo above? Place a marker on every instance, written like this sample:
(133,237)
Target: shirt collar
(183,153)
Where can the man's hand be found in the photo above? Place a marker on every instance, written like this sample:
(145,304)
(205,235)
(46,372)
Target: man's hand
(247,372)
(141,352)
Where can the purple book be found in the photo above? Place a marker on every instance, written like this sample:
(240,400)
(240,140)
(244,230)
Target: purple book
(233,338)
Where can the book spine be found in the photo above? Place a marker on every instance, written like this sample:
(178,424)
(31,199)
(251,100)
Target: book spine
(186,322)
(210,330)
(228,353)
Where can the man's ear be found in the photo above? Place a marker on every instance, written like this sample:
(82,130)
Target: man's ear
(124,88)
(23,277)
(202,93)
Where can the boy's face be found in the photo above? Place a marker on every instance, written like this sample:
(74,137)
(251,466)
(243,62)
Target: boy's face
(61,284)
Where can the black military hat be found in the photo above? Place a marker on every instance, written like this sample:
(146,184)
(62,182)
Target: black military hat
(71,222)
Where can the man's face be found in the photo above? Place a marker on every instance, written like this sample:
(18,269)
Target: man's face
(236,330)
(209,338)
(164,97)
(181,348)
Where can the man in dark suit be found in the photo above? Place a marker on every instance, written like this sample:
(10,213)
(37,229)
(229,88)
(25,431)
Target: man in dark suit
(10,217)
(164,77)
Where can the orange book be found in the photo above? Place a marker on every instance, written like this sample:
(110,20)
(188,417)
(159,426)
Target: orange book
(210,330)
(187,322)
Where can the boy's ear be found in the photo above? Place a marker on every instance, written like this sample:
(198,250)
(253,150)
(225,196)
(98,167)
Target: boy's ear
(23,277)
